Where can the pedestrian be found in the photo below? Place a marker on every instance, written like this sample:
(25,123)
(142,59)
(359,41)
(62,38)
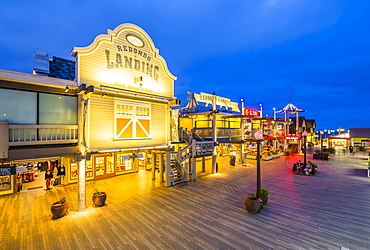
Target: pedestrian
(344,152)
(286,156)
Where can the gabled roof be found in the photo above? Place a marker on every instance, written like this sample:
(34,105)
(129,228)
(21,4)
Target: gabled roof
(310,123)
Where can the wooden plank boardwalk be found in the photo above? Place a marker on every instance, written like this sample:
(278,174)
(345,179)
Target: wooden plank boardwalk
(327,211)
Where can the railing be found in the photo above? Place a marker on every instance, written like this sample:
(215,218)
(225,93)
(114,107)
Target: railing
(184,135)
(222,133)
(22,135)
(204,148)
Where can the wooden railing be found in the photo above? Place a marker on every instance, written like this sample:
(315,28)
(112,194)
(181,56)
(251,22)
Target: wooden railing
(23,135)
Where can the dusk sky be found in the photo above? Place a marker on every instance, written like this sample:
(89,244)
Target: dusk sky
(259,50)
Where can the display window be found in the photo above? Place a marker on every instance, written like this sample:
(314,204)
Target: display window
(74,171)
(89,170)
(5,182)
(124,164)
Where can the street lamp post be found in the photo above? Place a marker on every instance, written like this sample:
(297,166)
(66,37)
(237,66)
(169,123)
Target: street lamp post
(321,133)
(304,135)
(258,138)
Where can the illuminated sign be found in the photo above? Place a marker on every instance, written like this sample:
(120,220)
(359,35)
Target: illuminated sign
(221,101)
(251,112)
(119,57)
(292,137)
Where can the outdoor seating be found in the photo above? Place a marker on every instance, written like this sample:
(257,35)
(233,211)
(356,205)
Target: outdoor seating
(309,169)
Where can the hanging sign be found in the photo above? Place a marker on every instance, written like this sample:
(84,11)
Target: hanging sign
(292,138)
(220,101)
(251,112)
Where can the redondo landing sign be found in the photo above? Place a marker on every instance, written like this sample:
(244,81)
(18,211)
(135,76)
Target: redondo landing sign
(119,57)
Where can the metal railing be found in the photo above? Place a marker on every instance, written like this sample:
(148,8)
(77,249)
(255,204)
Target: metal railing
(22,135)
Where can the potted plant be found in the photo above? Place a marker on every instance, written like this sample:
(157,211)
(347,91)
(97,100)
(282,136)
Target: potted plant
(232,160)
(59,208)
(133,156)
(264,195)
(252,204)
(99,198)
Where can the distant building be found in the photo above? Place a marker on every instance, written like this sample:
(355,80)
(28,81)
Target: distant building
(56,67)
(360,137)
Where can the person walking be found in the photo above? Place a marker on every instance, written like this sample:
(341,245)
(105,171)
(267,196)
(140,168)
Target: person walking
(287,156)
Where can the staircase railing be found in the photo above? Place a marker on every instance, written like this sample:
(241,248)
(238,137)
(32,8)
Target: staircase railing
(184,136)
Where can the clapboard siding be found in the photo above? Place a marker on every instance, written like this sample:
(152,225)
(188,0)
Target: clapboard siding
(101,128)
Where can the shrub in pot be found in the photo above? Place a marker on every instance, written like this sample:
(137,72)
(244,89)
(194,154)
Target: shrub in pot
(99,198)
(252,204)
(264,195)
(232,160)
(59,208)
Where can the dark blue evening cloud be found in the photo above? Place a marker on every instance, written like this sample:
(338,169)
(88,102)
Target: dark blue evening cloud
(318,51)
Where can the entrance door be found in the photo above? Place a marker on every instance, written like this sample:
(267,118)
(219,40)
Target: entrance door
(104,166)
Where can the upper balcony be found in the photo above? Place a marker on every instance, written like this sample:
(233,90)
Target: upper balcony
(30,135)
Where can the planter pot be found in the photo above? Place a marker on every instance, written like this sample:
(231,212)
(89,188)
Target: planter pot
(264,199)
(321,157)
(59,210)
(99,200)
(232,162)
(253,206)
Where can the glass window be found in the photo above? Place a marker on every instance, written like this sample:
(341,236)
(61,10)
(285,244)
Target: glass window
(57,109)
(18,107)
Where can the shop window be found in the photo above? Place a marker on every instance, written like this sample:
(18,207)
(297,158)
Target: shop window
(5,182)
(110,164)
(124,163)
(99,165)
(132,120)
(88,167)
(74,171)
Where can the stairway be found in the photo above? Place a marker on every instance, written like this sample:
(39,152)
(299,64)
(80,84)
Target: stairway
(176,173)
(293,148)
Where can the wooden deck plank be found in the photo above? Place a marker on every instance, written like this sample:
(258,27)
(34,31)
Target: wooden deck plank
(326,211)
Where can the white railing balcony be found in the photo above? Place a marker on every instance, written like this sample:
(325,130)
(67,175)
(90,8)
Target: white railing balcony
(23,135)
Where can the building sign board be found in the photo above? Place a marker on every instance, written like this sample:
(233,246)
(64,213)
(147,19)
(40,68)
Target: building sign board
(220,101)
(121,56)
(251,112)
(7,170)
(292,138)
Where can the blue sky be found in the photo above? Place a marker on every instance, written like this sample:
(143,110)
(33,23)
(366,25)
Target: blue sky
(259,50)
